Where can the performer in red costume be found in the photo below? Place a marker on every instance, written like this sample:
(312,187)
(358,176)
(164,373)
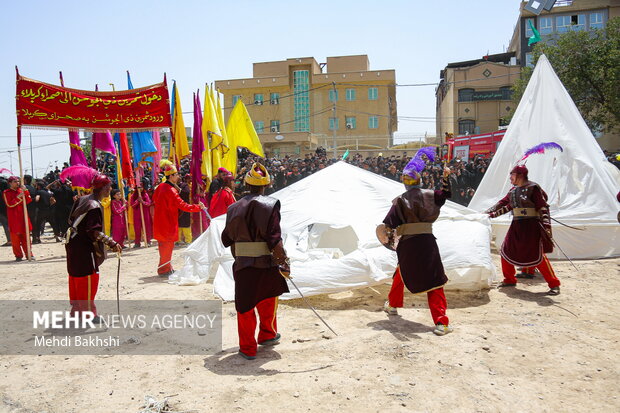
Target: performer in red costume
(529,236)
(419,264)
(224,197)
(85,247)
(253,233)
(14,198)
(165,223)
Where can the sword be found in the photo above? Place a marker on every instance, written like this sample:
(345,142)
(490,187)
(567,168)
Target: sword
(566,225)
(556,244)
(288,277)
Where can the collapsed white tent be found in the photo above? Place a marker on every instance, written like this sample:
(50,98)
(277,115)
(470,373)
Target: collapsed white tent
(328,226)
(581,184)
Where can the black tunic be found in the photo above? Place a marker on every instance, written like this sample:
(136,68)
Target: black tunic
(254,218)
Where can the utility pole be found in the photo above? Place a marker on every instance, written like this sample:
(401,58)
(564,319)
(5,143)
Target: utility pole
(31,157)
(335,123)
(11,160)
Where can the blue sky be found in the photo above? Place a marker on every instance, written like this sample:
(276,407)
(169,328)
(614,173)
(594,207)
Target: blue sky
(197,42)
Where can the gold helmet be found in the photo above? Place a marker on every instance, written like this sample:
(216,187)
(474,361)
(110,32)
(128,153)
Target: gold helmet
(167,167)
(257,175)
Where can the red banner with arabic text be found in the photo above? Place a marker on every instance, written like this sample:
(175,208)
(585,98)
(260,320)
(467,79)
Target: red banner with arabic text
(49,106)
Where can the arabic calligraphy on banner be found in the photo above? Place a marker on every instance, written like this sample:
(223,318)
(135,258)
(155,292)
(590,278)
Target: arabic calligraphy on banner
(44,105)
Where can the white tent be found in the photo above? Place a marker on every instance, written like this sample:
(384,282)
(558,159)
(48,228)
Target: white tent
(581,184)
(328,225)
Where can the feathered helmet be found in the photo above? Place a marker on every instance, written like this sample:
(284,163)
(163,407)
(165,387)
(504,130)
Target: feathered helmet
(4,171)
(257,175)
(84,178)
(167,167)
(411,173)
(520,167)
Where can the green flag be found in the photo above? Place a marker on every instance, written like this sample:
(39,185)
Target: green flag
(535,38)
(345,155)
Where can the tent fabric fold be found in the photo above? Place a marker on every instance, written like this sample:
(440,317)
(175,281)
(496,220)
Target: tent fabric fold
(328,226)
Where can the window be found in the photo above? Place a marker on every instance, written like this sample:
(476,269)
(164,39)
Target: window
(373,122)
(528,60)
(506,92)
(596,21)
(562,24)
(333,95)
(528,30)
(259,125)
(258,98)
(350,94)
(466,95)
(274,126)
(466,126)
(235,98)
(578,22)
(373,93)
(333,123)
(546,25)
(301,100)
(350,122)
(274,98)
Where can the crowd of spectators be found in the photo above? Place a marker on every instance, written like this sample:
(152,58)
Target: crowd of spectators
(465,177)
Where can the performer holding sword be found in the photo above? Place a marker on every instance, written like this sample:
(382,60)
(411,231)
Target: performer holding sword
(254,235)
(409,222)
(529,236)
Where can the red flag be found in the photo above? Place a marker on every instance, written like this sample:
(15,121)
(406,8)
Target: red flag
(126,160)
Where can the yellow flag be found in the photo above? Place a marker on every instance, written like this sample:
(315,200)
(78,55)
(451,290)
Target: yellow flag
(230,158)
(210,128)
(241,133)
(205,167)
(181,148)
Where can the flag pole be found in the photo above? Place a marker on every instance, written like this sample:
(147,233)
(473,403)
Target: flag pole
(21,174)
(143,224)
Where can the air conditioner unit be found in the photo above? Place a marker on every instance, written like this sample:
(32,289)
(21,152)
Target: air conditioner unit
(274,101)
(258,102)
(349,126)
(274,129)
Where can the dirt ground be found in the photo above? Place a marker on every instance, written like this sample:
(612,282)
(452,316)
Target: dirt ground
(512,350)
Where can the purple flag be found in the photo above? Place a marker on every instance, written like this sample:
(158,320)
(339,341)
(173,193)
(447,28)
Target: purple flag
(156,156)
(104,142)
(77,154)
(198,147)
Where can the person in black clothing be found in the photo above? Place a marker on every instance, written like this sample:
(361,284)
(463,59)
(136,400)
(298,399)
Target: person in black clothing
(62,203)
(295,176)
(185,230)
(392,173)
(218,181)
(4,221)
(42,200)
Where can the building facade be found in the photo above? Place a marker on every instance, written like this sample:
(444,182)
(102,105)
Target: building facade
(298,104)
(566,15)
(474,96)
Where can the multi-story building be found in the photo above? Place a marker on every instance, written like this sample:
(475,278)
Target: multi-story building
(566,15)
(298,104)
(475,96)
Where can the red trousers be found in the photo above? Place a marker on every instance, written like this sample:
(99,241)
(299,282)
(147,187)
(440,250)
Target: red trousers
(268,327)
(18,242)
(82,291)
(436,299)
(165,256)
(544,267)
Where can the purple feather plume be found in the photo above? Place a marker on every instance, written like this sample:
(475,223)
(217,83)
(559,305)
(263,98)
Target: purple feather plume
(540,148)
(429,151)
(81,176)
(414,167)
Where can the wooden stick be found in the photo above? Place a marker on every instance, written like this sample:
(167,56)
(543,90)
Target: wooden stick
(21,174)
(143,224)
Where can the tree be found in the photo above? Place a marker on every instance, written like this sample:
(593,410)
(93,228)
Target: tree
(588,64)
